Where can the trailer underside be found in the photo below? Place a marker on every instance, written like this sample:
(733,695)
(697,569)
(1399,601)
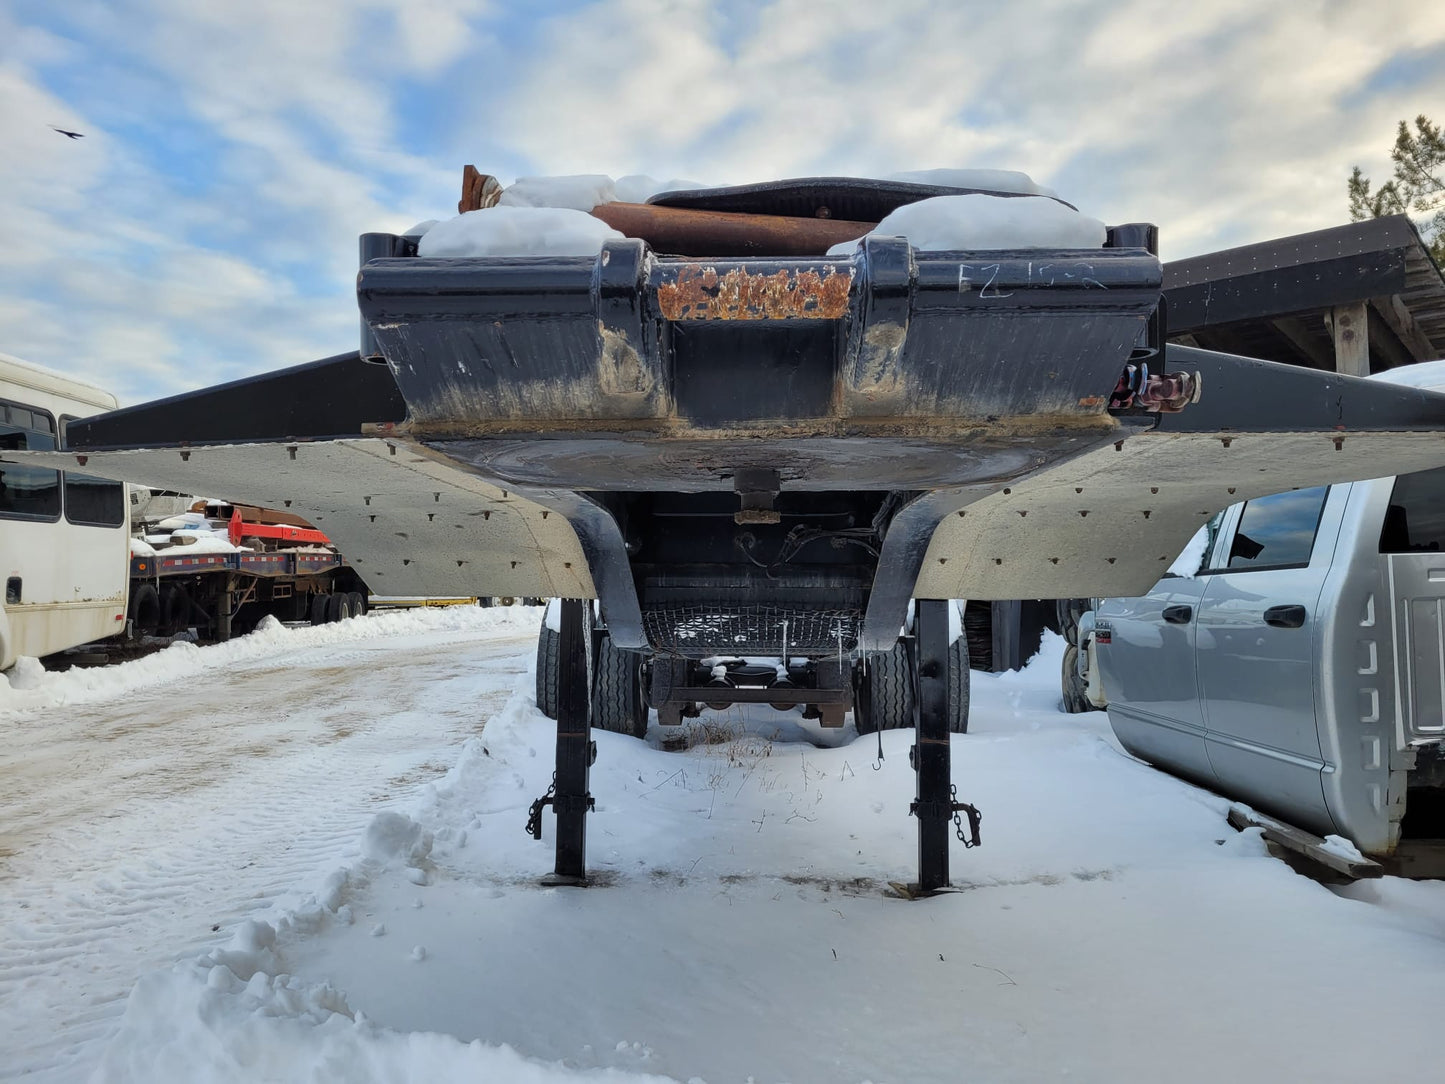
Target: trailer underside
(765,456)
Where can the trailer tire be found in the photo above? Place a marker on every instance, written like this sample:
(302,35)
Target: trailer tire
(1076,701)
(175,609)
(1068,611)
(549,649)
(338,608)
(319,604)
(358,603)
(958,686)
(617,701)
(145,610)
(884,696)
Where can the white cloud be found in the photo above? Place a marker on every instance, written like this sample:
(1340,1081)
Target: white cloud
(206,226)
(1222,122)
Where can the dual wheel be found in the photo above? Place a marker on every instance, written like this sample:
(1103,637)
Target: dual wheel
(618,704)
(885,689)
(338,606)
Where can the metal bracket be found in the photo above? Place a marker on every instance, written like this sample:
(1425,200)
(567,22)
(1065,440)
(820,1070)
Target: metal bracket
(952,810)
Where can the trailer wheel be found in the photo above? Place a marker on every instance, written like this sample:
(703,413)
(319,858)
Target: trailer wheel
(884,696)
(617,702)
(959,686)
(145,610)
(358,603)
(319,604)
(549,647)
(175,609)
(1068,611)
(338,607)
(1076,702)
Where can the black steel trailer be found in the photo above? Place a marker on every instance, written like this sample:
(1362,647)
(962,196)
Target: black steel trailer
(751,454)
(226,594)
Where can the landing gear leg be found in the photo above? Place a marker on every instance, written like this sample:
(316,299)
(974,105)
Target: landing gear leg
(575,750)
(934,807)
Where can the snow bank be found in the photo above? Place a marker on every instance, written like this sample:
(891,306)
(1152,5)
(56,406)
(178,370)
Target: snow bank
(977,222)
(518,231)
(746,873)
(226,1020)
(27,686)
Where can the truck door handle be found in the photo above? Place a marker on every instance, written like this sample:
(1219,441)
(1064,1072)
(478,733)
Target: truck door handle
(1178,615)
(1285,617)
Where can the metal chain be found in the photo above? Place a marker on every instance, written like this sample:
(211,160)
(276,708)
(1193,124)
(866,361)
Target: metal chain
(534,816)
(975,818)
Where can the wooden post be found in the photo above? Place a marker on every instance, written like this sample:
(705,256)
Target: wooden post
(1351,326)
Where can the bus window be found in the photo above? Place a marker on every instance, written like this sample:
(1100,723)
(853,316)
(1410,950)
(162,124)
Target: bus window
(91,501)
(27,492)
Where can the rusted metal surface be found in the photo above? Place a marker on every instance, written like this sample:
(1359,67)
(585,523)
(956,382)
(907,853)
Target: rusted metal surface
(478,190)
(682,232)
(698,291)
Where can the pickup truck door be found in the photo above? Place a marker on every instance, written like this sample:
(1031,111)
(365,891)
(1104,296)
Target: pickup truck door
(1255,654)
(1148,670)
(1144,648)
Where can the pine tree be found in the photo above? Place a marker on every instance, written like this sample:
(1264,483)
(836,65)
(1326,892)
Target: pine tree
(1417,189)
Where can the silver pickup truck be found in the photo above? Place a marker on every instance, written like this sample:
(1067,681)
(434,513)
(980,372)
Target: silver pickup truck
(1301,667)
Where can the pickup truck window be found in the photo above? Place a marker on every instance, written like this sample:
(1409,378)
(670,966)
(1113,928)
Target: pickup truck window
(1277,531)
(1415,519)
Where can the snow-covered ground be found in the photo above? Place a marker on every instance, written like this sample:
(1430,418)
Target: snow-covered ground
(348,814)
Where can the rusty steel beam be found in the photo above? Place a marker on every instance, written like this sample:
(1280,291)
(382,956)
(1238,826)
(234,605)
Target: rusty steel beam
(681,232)
(729,291)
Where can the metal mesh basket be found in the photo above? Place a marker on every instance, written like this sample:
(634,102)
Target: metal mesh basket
(700,631)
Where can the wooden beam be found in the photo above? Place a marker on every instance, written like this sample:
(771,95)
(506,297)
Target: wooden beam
(1398,319)
(1350,326)
(1297,331)
(1385,344)
(1311,846)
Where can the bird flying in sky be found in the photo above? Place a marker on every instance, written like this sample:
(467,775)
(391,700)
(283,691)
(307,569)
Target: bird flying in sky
(72,135)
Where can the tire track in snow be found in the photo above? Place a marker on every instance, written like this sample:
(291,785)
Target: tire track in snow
(140,834)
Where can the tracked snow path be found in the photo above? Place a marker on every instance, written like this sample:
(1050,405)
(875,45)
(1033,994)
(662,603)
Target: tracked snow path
(131,832)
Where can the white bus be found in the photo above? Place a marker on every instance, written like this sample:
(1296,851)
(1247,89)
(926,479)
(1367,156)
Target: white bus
(64,536)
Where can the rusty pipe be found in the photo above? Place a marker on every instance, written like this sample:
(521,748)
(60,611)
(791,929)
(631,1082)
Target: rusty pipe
(683,232)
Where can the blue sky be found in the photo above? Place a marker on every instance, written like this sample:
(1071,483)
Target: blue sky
(205,228)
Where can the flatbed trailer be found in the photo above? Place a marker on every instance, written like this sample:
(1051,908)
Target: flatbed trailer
(227,594)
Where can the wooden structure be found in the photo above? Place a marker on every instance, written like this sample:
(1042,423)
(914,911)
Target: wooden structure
(1354,299)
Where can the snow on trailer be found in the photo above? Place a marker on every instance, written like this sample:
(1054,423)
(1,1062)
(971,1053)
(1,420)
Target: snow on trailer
(223,567)
(740,444)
